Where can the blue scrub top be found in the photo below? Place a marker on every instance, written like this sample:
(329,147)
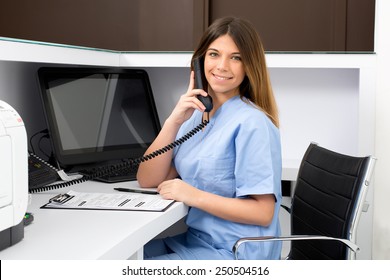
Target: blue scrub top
(236,155)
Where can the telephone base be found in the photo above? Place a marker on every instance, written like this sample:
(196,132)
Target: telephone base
(11,236)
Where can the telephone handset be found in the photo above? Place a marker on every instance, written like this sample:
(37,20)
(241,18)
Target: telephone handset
(199,75)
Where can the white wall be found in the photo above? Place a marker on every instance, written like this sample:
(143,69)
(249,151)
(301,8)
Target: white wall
(381,230)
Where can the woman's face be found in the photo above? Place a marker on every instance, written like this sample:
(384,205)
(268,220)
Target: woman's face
(223,67)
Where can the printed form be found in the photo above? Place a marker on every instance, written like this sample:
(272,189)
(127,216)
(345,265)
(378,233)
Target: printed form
(109,201)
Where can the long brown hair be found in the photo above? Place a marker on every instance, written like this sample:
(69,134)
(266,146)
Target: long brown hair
(256,85)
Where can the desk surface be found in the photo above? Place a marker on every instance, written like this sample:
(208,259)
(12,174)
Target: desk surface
(89,234)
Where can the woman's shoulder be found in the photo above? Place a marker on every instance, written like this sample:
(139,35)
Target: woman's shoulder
(249,112)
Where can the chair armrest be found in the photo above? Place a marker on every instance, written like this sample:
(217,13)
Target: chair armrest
(241,241)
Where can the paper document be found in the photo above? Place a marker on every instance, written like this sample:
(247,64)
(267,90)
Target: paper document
(109,201)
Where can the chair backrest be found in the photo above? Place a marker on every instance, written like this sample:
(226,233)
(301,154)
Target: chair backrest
(328,200)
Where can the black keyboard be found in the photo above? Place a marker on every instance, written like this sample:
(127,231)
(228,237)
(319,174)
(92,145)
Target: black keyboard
(127,174)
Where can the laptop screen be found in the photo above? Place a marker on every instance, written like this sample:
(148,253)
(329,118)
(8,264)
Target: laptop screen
(98,114)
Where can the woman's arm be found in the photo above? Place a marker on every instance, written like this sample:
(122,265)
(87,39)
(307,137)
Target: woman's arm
(154,171)
(256,209)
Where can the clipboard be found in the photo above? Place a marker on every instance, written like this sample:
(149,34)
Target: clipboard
(108,201)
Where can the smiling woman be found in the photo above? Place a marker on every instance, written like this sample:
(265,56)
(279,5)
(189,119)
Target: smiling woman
(230,174)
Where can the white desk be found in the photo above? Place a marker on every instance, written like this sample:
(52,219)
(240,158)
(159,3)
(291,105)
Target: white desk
(89,234)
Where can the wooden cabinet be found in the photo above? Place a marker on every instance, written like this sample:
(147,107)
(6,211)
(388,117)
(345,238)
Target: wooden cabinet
(176,25)
(306,25)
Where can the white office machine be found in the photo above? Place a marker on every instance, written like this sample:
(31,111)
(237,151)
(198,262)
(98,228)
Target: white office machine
(13,176)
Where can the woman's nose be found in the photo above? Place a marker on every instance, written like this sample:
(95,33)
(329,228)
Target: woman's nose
(223,64)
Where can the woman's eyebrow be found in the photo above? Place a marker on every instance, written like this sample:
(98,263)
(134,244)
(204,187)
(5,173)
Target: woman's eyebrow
(233,53)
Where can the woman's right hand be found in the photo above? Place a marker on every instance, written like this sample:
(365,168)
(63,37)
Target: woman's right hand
(152,172)
(187,103)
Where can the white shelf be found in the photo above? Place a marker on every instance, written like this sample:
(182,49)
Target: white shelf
(28,51)
(320,60)
(155,59)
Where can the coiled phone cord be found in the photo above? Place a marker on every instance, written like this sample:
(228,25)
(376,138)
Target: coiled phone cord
(130,163)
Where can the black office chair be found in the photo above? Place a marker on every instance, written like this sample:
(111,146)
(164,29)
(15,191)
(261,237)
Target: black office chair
(329,196)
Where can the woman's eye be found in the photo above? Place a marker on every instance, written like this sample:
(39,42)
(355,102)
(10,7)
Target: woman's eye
(236,57)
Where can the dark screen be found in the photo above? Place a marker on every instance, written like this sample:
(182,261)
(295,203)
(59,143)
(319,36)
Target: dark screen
(98,114)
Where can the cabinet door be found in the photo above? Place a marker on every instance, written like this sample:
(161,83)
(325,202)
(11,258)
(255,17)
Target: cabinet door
(306,25)
(125,25)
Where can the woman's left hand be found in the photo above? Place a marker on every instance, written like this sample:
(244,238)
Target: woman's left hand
(178,190)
